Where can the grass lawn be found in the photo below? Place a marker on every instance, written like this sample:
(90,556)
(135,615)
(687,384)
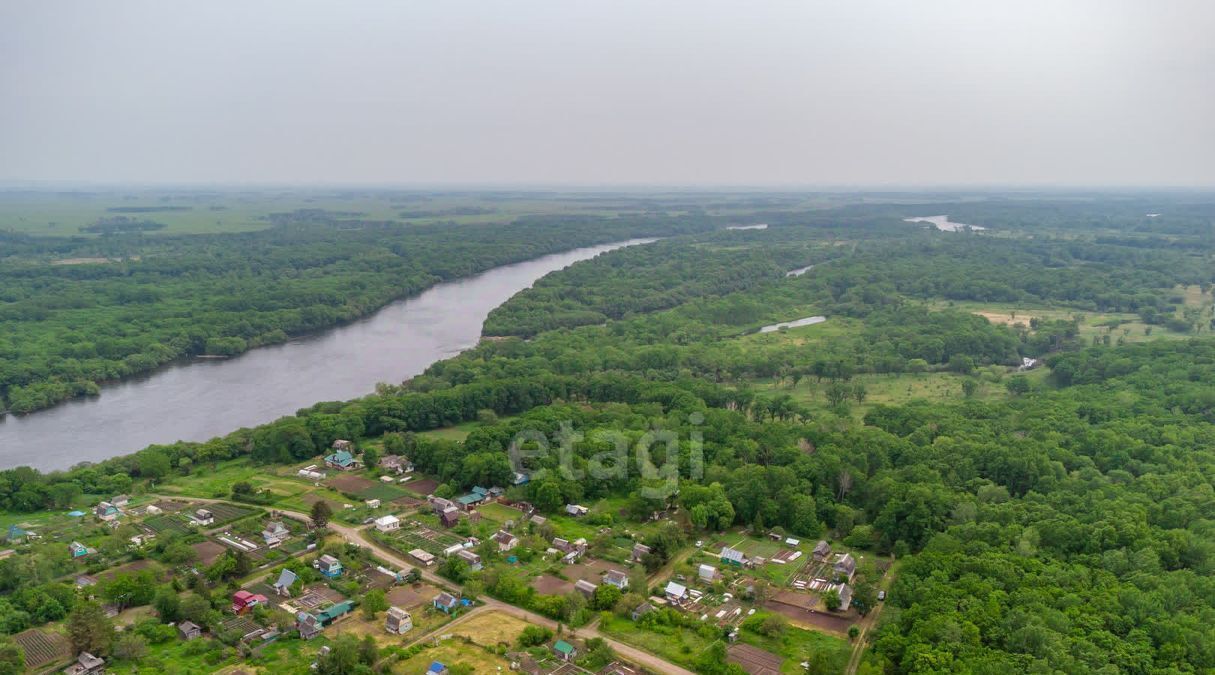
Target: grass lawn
(457,433)
(491,628)
(678,645)
(499,513)
(454,652)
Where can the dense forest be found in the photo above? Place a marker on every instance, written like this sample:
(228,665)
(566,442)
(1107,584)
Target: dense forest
(1063,524)
(142,301)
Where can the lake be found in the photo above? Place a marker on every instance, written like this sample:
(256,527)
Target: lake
(200,399)
(943,223)
(808,321)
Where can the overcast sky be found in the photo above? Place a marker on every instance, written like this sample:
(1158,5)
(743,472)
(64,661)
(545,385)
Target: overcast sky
(925,92)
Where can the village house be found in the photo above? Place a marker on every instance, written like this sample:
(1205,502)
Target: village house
(78,550)
(387,523)
(676,593)
(446,602)
(202,517)
(188,630)
(845,566)
(107,511)
(732,556)
(275,533)
(120,501)
(243,601)
(585,587)
(707,573)
(16,534)
(86,664)
(616,578)
(564,650)
(450,517)
(329,566)
(562,545)
(343,460)
(470,500)
(845,593)
(372,503)
(470,557)
(423,557)
(439,504)
(641,610)
(396,464)
(576,510)
(821,550)
(334,612)
(639,551)
(308,625)
(286,579)
(505,540)
(398,621)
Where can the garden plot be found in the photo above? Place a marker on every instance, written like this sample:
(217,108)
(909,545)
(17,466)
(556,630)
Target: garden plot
(547,584)
(755,660)
(244,624)
(208,551)
(425,538)
(351,485)
(423,487)
(226,513)
(409,597)
(165,523)
(43,647)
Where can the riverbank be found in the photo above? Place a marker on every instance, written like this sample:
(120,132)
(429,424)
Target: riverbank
(202,399)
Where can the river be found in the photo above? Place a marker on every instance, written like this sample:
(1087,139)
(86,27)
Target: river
(201,399)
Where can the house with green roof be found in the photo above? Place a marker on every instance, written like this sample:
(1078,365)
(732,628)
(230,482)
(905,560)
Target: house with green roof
(564,650)
(343,460)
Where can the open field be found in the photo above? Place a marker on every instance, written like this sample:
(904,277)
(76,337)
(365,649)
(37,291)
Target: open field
(206,211)
(453,652)
(491,628)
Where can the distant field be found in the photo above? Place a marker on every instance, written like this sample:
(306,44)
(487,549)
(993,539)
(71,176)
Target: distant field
(64,213)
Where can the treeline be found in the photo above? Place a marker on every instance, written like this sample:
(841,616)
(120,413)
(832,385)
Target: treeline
(65,328)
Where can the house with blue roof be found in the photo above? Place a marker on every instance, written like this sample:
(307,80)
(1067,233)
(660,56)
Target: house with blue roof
(436,668)
(15,534)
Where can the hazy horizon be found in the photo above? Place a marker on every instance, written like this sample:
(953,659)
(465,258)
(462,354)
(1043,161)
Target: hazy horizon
(548,95)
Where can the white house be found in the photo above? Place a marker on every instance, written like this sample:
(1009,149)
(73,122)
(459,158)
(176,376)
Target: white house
(275,533)
(676,592)
(387,523)
(707,573)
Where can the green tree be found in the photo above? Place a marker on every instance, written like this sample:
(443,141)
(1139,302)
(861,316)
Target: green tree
(373,602)
(89,629)
(832,600)
(167,604)
(130,647)
(321,513)
(12,657)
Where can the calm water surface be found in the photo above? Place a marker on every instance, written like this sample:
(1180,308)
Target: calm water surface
(202,399)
